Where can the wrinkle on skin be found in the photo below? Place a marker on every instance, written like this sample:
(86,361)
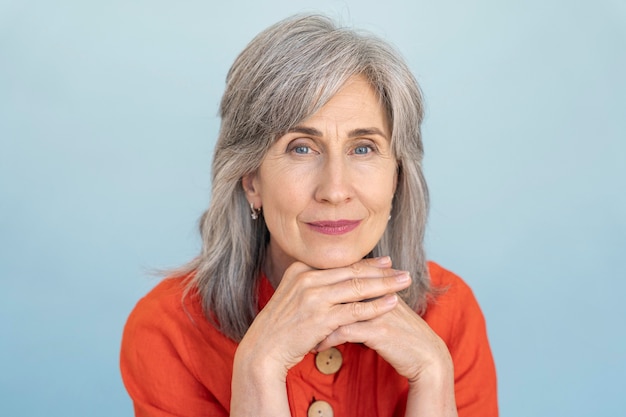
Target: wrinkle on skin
(335,165)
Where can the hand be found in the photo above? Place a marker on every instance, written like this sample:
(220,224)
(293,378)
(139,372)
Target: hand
(310,305)
(415,351)
(400,336)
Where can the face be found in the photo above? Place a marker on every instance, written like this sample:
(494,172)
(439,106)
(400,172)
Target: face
(326,186)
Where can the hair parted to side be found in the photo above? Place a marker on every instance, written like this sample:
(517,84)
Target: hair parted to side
(284,75)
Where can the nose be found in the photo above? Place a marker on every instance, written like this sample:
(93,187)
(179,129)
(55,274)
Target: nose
(334,182)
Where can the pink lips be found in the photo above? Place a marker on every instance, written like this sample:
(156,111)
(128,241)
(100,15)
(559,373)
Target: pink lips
(338,227)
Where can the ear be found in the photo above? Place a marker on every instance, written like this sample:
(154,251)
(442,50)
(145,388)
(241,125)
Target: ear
(250,185)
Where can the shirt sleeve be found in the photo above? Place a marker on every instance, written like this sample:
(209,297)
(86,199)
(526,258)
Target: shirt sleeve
(154,369)
(460,322)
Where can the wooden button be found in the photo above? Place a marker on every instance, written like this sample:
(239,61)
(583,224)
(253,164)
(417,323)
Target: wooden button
(320,409)
(329,361)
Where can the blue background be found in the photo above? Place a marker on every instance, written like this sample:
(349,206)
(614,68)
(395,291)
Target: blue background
(107,124)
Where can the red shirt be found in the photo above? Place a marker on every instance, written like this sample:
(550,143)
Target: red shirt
(175,363)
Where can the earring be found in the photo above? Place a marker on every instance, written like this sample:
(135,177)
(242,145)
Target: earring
(254,212)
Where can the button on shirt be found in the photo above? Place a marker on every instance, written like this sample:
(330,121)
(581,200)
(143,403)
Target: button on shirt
(320,408)
(349,391)
(329,361)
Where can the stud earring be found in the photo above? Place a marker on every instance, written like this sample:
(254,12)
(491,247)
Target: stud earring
(254,212)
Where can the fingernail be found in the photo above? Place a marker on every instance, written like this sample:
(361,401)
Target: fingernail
(391,299)
(403,277)
(383,260)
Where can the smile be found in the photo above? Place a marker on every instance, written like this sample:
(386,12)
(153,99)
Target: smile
(338,227)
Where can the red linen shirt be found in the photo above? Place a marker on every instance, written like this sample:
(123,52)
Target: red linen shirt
(175,363)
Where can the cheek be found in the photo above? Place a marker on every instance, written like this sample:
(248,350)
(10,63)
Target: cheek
(379,190)
(282,205)
(284,188)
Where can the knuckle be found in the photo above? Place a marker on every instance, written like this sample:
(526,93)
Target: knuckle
(357,310)
(356,269)
(307,279)
(357,286)
(297,268)
(344,332)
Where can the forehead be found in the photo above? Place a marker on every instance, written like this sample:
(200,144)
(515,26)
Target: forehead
(356,105)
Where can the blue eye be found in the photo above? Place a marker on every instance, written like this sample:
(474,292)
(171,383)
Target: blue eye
(302,149)
(362,150)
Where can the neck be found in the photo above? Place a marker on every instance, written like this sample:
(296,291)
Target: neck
(274,265)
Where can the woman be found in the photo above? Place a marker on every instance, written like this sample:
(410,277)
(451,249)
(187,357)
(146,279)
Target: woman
(312,295)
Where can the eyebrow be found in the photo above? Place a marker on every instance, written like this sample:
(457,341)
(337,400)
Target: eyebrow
(366,132)
(311,131)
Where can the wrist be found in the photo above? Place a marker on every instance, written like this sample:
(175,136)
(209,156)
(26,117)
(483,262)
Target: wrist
(258,389)
(258,364)
(436,367)
(432,391)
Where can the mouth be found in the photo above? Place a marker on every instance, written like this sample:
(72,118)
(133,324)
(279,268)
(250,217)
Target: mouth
(338,227)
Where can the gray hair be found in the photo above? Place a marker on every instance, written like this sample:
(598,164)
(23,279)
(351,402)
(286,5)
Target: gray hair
(284,75)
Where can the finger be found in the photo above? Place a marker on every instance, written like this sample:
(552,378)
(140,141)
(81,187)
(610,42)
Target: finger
(297,268)
(368,289)
(377,262)
(361,269)
(359,332)
(369,267)
(346,284)
(380,261)
(348,313)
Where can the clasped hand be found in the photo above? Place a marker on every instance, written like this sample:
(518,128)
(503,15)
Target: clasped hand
(313,310)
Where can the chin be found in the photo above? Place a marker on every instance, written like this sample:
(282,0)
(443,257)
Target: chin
(330,261)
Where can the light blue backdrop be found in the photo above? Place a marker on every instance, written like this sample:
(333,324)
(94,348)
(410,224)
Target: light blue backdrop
(107,123)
